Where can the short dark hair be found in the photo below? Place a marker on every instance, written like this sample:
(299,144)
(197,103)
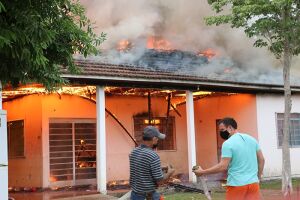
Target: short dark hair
(228,121)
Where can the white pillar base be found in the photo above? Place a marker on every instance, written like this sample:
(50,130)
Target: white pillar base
(191,135)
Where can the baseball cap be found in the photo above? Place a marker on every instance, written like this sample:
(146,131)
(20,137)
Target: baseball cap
(151,131)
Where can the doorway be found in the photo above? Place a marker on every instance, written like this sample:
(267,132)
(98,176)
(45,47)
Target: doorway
(72,149)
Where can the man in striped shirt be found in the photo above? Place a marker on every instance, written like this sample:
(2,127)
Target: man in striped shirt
(145,168)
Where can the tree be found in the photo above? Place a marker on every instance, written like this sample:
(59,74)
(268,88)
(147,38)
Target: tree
(274,24)
(38,37)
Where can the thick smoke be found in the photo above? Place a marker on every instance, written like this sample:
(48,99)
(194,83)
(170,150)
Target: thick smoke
(182,23)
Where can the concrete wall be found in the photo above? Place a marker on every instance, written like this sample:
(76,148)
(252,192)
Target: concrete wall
(242,107)
(119,144)
(37,110)
(61,107)
(267,107)
(27,171)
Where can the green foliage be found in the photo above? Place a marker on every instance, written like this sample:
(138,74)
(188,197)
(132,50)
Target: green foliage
(272,23)
(39,37)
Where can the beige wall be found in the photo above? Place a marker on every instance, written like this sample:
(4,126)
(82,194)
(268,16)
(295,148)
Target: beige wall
(119,144)
(37,110)
(242,107)
(62,107)
(27,171)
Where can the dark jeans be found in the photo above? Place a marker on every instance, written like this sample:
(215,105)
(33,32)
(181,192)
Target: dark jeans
(138,196)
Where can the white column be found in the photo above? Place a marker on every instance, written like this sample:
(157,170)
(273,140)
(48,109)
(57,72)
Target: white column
(191,134)
(101,140)
(3,152)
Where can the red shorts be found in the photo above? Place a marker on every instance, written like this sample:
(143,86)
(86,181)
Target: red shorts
(245,192)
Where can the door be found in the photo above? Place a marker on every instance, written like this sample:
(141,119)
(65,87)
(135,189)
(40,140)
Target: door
(72,148)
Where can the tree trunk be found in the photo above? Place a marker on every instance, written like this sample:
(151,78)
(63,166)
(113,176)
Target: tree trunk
(286,161)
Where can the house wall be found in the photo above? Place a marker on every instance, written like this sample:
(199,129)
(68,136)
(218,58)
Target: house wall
(37,110)
(27,171)
(61,107)
(242,107)
(267,107)
(119,145)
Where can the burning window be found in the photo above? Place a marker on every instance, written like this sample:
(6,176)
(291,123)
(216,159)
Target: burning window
(161,123)
(15,136)
(72,150)
(294,129)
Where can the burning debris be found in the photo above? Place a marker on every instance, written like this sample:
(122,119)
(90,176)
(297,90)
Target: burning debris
(171,61)
(118,185)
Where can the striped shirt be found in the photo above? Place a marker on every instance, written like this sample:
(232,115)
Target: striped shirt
(145,169)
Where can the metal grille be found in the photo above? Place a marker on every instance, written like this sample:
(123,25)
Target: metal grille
(85,150)
(161,123)
(72,151)
(294,129)
(61,151)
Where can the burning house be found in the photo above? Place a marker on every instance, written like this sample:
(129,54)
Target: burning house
(83,133)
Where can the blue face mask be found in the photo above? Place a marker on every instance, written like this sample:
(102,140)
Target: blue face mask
(224,134)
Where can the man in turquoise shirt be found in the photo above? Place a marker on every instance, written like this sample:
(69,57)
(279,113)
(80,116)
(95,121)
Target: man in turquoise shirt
(243,158)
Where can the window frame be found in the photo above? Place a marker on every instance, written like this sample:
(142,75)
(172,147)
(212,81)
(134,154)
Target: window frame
(9,137)
(277,130)
(160,117)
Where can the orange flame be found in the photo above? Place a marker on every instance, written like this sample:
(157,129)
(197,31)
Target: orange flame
(124,45)
(52,179)
(209,53)
(158,43)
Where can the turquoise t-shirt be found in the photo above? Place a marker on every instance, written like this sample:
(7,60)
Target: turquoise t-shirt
(243,167)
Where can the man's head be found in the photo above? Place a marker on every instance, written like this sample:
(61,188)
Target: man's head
(151,135)
(227,127)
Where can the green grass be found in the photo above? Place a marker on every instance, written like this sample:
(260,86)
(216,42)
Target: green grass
(194,196)
(266,185)
(276,184)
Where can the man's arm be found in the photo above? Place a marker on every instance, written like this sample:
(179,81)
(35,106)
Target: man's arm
(261,163)
(220,167)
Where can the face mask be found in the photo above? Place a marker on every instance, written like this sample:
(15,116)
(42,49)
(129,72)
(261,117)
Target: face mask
(224,134)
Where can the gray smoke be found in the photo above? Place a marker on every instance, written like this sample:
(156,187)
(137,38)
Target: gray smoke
(181,22)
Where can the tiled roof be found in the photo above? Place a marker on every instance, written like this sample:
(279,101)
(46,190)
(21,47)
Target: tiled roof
(133,76)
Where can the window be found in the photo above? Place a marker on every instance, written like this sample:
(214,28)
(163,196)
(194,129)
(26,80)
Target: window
(161,123)
(15,136)
(294,129)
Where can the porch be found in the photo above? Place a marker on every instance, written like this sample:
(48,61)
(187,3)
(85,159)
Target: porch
(60,131)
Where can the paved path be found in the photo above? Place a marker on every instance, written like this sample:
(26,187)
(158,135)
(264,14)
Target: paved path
(61,195)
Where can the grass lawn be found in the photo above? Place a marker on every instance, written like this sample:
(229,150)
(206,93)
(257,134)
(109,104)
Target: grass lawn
(276,184)
(267,185)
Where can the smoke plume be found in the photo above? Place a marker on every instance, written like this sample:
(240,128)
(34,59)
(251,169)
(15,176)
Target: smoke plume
(181,22)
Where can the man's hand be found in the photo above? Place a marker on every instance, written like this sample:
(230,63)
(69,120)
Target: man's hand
(168,172)
(198,170)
